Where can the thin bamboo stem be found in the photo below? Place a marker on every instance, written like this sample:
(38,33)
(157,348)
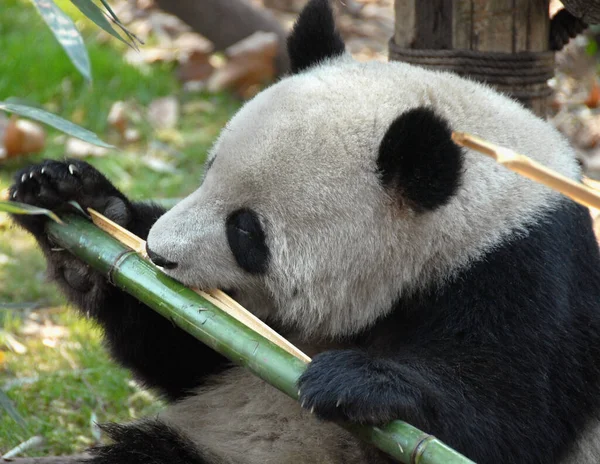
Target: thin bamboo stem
(531,169)
(225,334)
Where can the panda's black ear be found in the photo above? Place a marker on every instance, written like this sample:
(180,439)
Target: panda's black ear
(314,37)
(418,161)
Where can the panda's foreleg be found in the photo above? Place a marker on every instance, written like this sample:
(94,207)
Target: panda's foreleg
(140,339)
(350,385)
(485,423)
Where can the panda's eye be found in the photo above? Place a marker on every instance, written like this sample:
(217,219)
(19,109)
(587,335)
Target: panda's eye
(247,240)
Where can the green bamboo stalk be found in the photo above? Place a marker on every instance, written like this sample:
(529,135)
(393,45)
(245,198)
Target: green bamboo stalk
(217,329)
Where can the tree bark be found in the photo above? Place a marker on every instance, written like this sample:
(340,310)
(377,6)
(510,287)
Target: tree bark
(226,22)
(502,42)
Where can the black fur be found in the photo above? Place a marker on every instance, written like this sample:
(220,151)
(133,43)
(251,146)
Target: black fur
(139,338)
(314,37)
(247,241)
(502,363)
(160,260)
(147,442)
(418,160)
(349,385)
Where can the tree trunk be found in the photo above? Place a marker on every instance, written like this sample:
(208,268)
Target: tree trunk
(226,22)
(502,42)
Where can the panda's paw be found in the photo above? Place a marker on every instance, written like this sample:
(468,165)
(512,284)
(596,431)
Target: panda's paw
(53,184)
(348,386)
(148,441)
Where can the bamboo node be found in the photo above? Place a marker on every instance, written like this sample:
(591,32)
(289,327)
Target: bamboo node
(419,449)
(117,263)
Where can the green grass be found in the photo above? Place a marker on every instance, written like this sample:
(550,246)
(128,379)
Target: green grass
(35,67)
(60,384)
(66,387)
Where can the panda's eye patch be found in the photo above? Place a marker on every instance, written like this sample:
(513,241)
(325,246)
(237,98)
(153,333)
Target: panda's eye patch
(247,241)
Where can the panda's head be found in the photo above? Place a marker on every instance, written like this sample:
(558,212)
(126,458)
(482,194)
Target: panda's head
(338,189)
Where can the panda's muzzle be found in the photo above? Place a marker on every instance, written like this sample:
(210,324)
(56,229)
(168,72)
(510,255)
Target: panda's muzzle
(159,260)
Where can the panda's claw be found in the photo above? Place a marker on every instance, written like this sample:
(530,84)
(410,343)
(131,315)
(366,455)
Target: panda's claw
(338,386)
(54,184)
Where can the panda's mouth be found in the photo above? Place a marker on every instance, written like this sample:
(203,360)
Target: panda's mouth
(229,291)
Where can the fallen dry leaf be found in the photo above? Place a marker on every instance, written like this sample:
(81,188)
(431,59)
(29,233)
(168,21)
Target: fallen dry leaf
(190,41)
(13,344)
(22,137)
(132,135)
(194,66)
(117,117)
(149,55)
(250,64)
(80,149)
(163,113)
(166,26)
(121,117)
(593,99)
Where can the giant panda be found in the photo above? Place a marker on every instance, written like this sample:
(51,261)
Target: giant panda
(430,284)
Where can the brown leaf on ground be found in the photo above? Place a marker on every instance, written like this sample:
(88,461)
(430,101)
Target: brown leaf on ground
(192,42)
(80,149)
(117,117)
(194,66)
(194,53)
(593,99)
(121,117)
(250,65)
(150,55)
(163,113)
(22,137)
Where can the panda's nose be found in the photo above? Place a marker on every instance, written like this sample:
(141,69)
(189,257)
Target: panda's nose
(159,260)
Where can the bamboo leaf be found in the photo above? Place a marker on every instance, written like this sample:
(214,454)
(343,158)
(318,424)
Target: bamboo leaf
(95,14)
(67,35)
(113,16)
(14,207)
(55,121)
(10,409)
(79,209)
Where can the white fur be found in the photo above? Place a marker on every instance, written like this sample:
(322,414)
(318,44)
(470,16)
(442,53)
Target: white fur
(303,155)
(239,419)
(587,448)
